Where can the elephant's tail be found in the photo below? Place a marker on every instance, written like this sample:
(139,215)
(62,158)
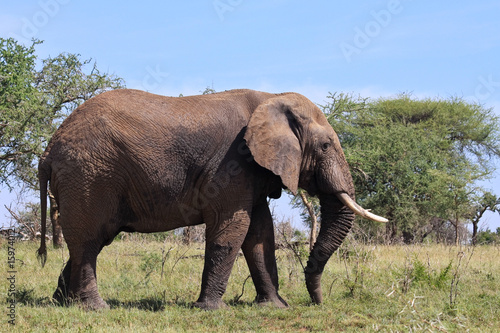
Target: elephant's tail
(44,171)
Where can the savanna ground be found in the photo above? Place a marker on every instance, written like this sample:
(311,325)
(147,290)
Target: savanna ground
(151,284)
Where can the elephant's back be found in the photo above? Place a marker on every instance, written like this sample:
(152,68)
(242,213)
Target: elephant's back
(125,117)
(138,113)
(158,138)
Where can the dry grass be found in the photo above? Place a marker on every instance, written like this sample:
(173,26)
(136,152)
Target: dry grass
(151,285)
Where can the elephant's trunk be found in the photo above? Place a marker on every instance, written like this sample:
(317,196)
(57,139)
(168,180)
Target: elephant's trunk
(337,216)
(336,221)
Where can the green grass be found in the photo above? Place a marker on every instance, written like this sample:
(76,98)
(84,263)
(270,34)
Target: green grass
(366,288)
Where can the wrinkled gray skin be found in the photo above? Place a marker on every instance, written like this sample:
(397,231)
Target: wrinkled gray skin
(128,160)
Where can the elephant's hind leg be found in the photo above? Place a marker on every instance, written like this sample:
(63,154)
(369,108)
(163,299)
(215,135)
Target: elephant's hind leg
(83,277)
(87,226)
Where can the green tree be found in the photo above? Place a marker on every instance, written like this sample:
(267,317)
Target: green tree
(487,201)
(33,103)
(20,112)
(208,91)
(414,160)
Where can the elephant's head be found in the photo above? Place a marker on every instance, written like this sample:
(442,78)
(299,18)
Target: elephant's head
(291,137)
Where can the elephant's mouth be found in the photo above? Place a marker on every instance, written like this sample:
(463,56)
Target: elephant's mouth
(358,210)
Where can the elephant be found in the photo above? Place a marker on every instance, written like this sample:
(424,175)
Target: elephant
(128,160)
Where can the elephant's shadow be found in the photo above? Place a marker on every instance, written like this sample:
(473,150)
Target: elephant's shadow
(156,304)
(153,304)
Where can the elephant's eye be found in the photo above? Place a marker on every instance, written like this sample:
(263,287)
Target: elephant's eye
(326,145)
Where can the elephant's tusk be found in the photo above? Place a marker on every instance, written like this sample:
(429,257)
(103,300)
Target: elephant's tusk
(358,210)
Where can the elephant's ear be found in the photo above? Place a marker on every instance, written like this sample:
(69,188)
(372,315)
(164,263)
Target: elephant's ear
(271,136)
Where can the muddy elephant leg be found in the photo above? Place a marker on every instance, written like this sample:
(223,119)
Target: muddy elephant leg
(259,249)
(61,293)
(224,239)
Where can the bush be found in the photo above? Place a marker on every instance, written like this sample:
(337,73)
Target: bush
(488,237)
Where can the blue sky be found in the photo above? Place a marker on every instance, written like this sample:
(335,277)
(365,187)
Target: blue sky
(373,48)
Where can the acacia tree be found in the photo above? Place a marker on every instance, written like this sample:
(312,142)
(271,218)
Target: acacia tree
(415,160)
(19,109)
(487,201)
(33,103)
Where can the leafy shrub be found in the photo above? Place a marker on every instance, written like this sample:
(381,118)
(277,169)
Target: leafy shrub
(417,273)
(151,262)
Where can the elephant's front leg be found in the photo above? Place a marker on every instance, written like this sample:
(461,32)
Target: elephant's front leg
(259,249)
(224,238)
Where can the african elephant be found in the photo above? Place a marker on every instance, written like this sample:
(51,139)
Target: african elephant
(128,160)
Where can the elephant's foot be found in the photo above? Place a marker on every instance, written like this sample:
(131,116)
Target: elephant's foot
(210,304)
(276,301)
(64,298)
(94,304)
